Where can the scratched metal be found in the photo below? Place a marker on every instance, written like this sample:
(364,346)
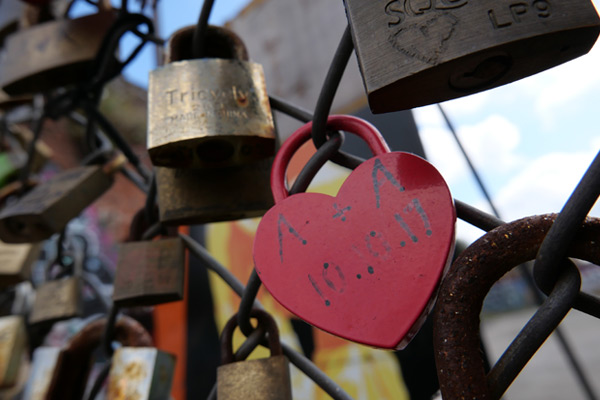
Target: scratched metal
(15,262)
(12,348)
(413,53)
(57,300)
(140,373)
(208,112)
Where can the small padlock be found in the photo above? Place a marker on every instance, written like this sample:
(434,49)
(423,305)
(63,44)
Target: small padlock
(10,12)
(74,362)
(141,373)
(57,300)
(417,52)
(208,112)
(54,53)
(264,379)
(149,272)
(42,368)
(48,207)
(194,196)
(12,348)
(15,262)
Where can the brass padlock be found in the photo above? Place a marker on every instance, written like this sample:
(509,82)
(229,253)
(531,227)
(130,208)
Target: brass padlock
(149,272)
(141,373)
(42,368)
(10,12)
(48,207)
(12,348)
(264,379)
(54,53)
(190,196)
(74,362)
(417,52)
(57,300)
(15,262)
(208,112)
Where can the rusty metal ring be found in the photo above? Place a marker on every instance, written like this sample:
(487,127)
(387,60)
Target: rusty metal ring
(456,315)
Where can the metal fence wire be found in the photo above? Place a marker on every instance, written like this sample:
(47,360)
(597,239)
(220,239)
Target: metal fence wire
(547,240)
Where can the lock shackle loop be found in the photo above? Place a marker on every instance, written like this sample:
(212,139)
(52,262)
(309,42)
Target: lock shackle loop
(265,321)
(73,366)
(219,42)
(358,126)
(456,315)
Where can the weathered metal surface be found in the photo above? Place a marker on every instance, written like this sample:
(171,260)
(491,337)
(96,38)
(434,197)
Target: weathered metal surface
(208,112)
(264,379)
(42,368)
(52,54)
(191,196)
(57,300)
(414,52)
(140,373)
(15,262)
(70,377)
(48,207)
(150,272)
(12,348)
(456,316)
(352,264)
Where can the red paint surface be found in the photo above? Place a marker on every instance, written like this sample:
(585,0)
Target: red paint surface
(364,265)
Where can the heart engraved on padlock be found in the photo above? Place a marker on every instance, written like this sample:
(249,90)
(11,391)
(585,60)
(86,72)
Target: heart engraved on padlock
(364,265)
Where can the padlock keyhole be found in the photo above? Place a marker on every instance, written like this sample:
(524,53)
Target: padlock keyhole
(484,74)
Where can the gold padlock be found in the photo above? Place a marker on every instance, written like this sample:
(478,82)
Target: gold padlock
(15,262)
(264,379)
(149,272)
(48,207)
(54,53)
(12,348)
(57,300)
(417,52)
(208,112)
(141,373)
(193,196)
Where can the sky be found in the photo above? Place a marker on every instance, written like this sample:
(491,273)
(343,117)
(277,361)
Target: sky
(531,140)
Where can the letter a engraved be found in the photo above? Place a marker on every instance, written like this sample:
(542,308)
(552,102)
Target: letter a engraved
(377,183)
(280,232)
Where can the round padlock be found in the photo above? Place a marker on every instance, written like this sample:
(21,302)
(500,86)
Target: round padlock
(363,265)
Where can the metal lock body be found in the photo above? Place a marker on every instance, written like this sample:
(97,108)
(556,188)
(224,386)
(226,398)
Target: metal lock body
(189,196)
(15,262)
(57,300)
(48,207)
(208,112)
(417,52)
(74,362)
(42,368)
(53,54)
(262,379)
(12,348)
(149,273)
(141,373)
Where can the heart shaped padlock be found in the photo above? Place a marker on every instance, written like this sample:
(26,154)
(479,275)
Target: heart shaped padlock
(364,265)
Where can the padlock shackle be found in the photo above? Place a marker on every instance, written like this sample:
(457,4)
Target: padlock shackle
(363,129)
(220,43)
(264,319)
(456,332)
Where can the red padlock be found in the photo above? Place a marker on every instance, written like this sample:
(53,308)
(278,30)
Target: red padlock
(364,265)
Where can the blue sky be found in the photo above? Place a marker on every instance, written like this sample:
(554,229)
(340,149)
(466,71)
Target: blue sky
(531,140)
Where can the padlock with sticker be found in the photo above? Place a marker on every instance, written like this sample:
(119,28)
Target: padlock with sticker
(364,265)
(212,111)
(417,52)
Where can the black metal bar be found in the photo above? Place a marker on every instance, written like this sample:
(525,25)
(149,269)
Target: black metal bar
(198,41)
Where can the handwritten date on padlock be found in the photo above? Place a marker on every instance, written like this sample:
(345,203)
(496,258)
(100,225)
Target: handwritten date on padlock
(364,265)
